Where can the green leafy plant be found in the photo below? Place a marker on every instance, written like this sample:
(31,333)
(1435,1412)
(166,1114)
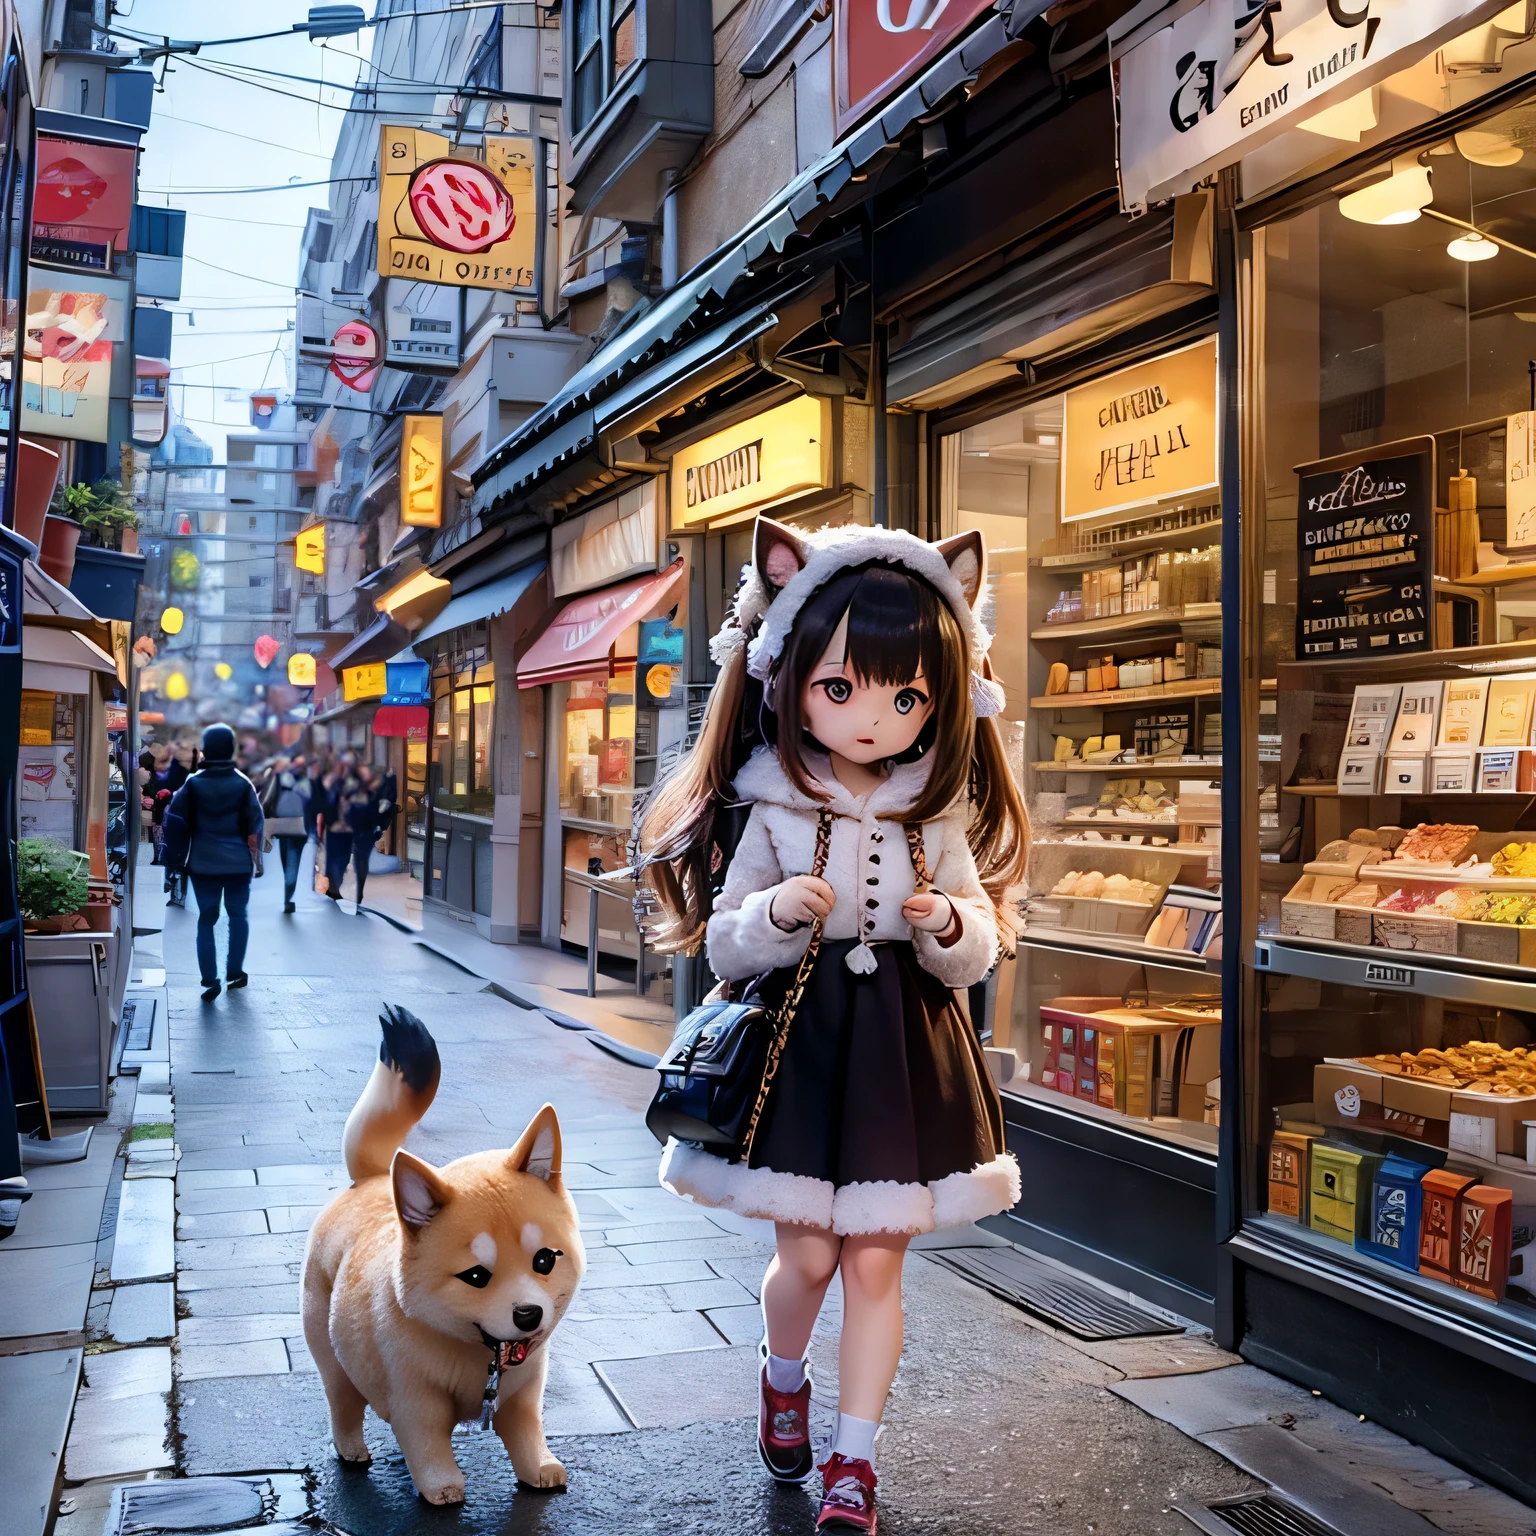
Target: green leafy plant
(50,878)
(102,510)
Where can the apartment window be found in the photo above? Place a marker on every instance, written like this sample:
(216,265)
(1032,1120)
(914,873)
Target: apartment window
(623,39)
(605,42)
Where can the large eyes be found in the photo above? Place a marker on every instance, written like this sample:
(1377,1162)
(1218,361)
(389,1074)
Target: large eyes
(479,1277)
(908,700)
(544,1260)
(839,689)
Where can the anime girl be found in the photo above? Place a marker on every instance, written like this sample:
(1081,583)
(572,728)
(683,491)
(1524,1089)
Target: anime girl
(853,688)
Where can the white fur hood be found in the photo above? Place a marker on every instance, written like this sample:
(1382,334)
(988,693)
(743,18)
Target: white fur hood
(763,780)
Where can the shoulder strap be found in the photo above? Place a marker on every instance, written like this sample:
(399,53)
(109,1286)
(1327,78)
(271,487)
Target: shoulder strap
(792,1000)
(914,832)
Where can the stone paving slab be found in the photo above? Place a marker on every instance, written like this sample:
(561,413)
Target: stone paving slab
(224,1279)
(738,1325)
(46,1290)
(140,1313)
(144,1248)
(191,1176)
(198,1332)
(58,1217)
(614,1338)
(242,1300)
(292,1218)
(602,1277)
(240,1252)
(222,1224)
(247,1197)
(121,1415)
(675,1390)
(250,1357)
(37,1392)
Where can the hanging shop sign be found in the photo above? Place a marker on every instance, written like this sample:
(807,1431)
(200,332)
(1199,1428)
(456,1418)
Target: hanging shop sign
(301,669)
(223,671)
(1195,93)
(407,682)
(780,453)
(1141,437)
(1364,554)
(355,354)
(263,410)
(881,44)
(421,472)
(66,375)
(115,717)
(83,202)
(366,682)
(408,721)
(309,550)
(446,216)
(171,621)
(266,649)
(659,662)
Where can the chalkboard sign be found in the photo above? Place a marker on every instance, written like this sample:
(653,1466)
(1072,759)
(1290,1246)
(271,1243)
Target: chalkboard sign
(1364,558)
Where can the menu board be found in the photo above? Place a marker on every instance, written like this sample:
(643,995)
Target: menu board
(1363,559)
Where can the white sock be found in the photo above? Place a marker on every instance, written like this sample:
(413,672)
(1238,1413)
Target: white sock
(785,1375)
(855,1438)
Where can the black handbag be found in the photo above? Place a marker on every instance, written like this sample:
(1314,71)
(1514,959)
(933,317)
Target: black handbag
(716,1074)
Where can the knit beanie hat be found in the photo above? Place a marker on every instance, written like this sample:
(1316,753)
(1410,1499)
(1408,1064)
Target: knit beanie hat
(219,743)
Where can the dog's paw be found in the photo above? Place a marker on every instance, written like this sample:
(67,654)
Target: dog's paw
(444,1492)
(549,1474)
(354,1456)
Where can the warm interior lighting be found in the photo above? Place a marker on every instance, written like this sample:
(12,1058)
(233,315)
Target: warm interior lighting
(1472,247)
(1484,148)
(409,590)
(1397,200)
(1347,120)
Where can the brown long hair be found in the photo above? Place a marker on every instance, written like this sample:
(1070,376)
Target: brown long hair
(898,626)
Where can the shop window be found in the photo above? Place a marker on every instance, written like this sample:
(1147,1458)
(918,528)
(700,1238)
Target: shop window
(597,780)
(1101,516)
(53,730)
(463,736)
(1393,539)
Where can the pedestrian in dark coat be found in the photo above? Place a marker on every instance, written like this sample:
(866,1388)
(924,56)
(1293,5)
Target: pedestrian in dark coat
(336,829)
(213,830)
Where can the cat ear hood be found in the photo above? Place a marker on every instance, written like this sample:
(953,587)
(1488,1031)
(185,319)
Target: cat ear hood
(787,567)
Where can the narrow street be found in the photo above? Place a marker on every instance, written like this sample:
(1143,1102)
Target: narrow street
(996,1425)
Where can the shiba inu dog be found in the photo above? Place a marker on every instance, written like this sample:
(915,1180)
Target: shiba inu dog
(430,1294)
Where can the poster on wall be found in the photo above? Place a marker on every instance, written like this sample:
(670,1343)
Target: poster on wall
(446,216)
(1141,437)
(1364,553)
(66,375)
(83,202)
(1520,484)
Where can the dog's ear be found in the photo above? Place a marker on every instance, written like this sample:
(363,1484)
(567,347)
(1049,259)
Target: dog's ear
(966,556)
(777,552)
(420,1192)
(538,1148)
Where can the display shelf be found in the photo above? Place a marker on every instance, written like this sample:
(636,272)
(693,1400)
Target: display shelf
(1147,767)
(1331,792)
(1177,538)
(1193,1135)
(1513,655)
(1455,977)
(1500,576)
(1126,623)
(1106,947)
(1189,850)
(1154,693)
(1117,824)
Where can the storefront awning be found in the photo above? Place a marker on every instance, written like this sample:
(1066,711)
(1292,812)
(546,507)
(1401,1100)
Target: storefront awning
(378,642)
(61,661)
(46,599)
(483,602)
(577,641)
(568,425)
(406,720)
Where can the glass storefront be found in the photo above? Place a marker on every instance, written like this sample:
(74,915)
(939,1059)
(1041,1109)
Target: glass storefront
(1392,544)
(460,794)
(1102,519)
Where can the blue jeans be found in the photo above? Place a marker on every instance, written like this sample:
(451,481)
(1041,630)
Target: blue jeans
(236,893)
(292,849)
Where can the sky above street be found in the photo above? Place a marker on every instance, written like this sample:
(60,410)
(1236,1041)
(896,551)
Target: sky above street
(219,124)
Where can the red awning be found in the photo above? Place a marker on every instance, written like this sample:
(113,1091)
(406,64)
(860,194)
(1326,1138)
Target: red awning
(408,720)
(577,641)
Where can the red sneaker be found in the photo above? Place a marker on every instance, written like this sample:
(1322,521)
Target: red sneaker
(848,1495)
(784,1430)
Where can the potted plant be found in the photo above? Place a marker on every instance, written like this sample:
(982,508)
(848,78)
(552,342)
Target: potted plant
(52,885)
(106,568)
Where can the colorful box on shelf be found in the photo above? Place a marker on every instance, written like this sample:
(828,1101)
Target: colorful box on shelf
(1290,1175)
(1340,1190)
(1396,1213)
(1452,770)
(1305,912)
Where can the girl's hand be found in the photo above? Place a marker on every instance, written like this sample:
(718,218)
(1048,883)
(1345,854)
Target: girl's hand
(800,900)
(931,911)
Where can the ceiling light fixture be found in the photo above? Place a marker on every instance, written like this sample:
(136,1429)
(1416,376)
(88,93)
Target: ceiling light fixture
(1472,247)
(1484,148)
(1396,200)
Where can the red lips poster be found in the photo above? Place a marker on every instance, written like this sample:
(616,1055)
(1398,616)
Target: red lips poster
(83,202)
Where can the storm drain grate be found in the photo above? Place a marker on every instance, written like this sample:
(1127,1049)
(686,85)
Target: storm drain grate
(1072,1304)
(1259,1515)
(138,1024)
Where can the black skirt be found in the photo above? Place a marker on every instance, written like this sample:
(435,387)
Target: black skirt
(882,1078)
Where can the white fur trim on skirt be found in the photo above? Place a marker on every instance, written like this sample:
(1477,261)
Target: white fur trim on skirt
(850,1209)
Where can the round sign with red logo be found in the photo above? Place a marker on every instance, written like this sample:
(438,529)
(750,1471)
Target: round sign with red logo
(461,206)
(355,354)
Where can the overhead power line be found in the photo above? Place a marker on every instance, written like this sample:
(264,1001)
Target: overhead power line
(292,186)
(249,277)
(230,132)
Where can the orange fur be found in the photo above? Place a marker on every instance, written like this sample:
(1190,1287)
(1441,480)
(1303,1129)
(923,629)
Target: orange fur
(388,1320)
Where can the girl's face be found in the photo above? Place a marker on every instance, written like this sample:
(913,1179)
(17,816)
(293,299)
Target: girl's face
(861,722)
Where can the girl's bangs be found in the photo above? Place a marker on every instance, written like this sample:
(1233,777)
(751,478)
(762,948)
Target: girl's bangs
(895,629)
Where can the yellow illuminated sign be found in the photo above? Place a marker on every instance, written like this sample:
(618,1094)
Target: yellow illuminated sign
(171,620)
(362,682)
(777,454)
(176,686)
(301,670)
(1141,437)
(309,550)
(223,671)
(448,216)
(421,472)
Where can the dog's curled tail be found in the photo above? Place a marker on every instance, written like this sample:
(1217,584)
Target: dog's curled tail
(399,1093)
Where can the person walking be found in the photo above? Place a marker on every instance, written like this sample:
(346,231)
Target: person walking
(362,816)
(286,807)
(335,829)
(213,832)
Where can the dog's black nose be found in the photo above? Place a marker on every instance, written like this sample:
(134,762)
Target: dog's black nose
(527,1318)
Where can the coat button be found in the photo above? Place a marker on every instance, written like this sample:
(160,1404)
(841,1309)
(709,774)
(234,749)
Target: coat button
(874,858)
(871,902)
(873,880)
